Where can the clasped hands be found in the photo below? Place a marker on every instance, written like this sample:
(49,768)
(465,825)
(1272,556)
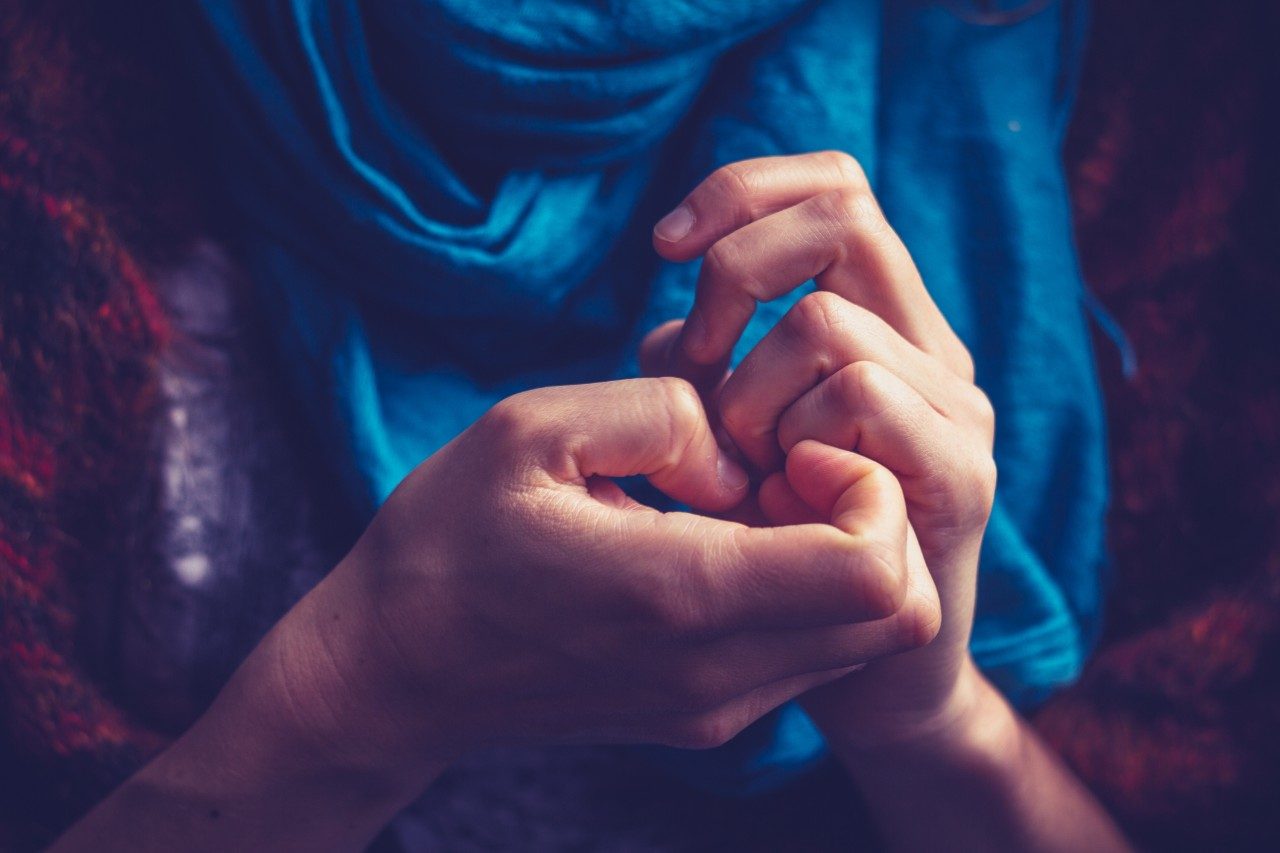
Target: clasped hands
(509,591)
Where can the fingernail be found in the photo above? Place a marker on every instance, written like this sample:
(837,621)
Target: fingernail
(676,225)
(694,334)
(731,474)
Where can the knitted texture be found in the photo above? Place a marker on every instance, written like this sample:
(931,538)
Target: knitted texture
(1176,193)
(77,327)
(79,331)
(1178,209)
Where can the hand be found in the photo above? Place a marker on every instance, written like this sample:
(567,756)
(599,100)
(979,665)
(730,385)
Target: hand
(867,363)
(508,591)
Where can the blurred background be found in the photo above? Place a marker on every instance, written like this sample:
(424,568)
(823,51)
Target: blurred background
(1172,159)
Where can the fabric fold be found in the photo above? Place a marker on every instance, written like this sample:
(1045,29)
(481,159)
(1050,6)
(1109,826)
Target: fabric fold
(447,202)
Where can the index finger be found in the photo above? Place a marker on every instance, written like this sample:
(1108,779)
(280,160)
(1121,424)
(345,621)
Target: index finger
(656,428)
(840,239)
(740,193)
(717,577)
(768,225)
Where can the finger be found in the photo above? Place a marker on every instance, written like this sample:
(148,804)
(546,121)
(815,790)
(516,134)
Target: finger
(688,572)
(654,427)
(865,407)
(819,335)
(781,505)
(860,495)
(742,192)
(947,476)
(695,576)
(867,521)
(659,356)
(742,663)
(841,240)
(708,729)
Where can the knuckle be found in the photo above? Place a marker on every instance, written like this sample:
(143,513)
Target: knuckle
(968,493)
(889,490)
(735,414)
(720,263)
(981,411)
(512,420)
(815,315)
(883,581)
(855,208)
(735,185)
(848,167)
(919,621)
(861,386)
(679,399)
(982,477)
(724,272)
(738,412)
(963,362)
(685,418)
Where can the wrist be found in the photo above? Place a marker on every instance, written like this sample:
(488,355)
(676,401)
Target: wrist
(972,718)
(348,690)
(275,762)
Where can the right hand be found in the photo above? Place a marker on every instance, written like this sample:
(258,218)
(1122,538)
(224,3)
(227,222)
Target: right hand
(509,591)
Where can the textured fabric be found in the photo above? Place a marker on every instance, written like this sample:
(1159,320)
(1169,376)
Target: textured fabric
(450,202)
(1177,196)
(1174,186)
(79,331)
(240,531)
(238,527)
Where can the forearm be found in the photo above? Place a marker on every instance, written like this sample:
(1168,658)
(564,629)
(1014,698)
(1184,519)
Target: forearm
(979,780)
(271,765)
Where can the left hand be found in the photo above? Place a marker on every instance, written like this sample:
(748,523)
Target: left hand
(866,366)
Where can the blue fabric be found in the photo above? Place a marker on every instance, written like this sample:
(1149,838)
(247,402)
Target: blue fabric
(446,202)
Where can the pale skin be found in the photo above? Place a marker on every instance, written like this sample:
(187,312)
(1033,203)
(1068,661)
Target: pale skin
(509,592)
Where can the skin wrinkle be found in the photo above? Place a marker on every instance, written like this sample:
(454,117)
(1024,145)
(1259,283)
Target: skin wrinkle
(861,325)
(543,593)
(688,594)
(824,334)
(740,193)
(684,410)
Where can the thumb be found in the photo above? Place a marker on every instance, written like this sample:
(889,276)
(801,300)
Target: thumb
(659,356)
(865,500)
(853,492)
(654,427)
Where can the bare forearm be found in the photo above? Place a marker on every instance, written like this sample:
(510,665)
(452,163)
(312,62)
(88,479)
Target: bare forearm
(258,771)
(985,781)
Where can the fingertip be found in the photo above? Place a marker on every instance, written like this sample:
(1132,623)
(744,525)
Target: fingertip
(695,338)
(662,354)
(807,454)
(713,497)
(781,505)
(820,474)
(656,348)
(809,447)
(673,228)
(733,477)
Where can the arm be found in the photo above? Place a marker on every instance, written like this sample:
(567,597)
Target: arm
(866,374)
(981,780)
(265,768)
(509,592)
